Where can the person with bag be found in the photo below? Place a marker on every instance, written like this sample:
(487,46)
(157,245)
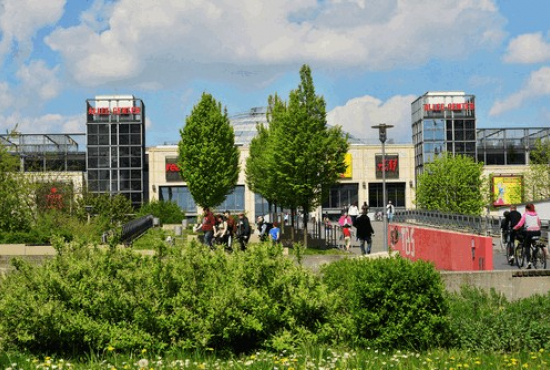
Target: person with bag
(231,228)
(220,233)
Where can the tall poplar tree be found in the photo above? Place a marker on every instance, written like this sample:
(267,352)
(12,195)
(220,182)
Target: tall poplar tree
(307,154)
(451,184)
(208,158)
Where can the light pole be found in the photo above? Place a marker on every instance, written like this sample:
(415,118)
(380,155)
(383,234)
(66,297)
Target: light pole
(382,128)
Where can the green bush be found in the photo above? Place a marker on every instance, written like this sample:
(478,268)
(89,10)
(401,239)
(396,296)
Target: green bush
(487,321)
(86,299)
(167,212)
(388,303)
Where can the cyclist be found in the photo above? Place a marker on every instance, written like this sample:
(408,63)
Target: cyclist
(514,217)
(531,227)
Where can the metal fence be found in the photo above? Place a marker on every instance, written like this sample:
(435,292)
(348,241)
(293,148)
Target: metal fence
(482,225)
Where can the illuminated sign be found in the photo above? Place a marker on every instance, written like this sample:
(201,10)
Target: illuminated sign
(172,170)
(507,190)
(114,111)
(449,106)
(348,174)
(390,166)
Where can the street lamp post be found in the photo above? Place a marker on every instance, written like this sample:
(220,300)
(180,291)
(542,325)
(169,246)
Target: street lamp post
(382,132)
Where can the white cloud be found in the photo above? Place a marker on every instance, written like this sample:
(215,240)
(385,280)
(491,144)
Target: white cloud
(156,46)
(527,49)
(38,82)
(536,86)
(48,123)
(359,114)
(21,19)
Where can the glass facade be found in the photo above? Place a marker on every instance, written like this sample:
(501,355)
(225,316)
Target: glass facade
(115,130)
(179,195)
(508,146)
(341,197)
(443,122)
(395,191)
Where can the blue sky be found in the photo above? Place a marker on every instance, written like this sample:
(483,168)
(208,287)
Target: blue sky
(370,58)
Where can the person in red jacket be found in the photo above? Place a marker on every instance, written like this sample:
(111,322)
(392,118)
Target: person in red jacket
(208,222)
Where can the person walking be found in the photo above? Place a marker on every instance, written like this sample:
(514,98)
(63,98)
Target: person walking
(231,228)
(353,212)
(365,232)
(220,232)
(345,223)
(243,231)
(390,210)
(275,233)
(531,224)
(208,223)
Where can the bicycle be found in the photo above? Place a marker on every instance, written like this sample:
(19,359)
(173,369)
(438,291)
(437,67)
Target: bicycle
(538,252)
(504,239)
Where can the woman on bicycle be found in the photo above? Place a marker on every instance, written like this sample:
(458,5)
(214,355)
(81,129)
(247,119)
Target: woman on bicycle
(531,224)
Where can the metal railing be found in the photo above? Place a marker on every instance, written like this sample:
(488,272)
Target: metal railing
(135,228)
(482,225)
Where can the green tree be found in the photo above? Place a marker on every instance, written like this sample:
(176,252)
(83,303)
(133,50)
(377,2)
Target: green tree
(167,212)
(307,156)
(538,175)
(451,184)
(17,201)
(260,177)
(107,210)
(208,157)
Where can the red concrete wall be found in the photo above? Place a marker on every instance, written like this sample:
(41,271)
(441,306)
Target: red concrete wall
(448,250)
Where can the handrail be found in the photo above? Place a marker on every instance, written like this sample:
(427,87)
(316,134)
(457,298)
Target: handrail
(488,225)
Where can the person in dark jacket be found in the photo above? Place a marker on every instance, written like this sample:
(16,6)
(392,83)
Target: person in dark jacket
(243,230)
(365,232)
(513,219)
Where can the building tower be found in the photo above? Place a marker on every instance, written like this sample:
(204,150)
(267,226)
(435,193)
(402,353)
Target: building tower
(443,122)
(115,131)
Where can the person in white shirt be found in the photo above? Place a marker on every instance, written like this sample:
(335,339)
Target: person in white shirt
(390,210)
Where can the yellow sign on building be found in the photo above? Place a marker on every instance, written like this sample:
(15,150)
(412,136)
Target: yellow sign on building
(348,174)
(507,190)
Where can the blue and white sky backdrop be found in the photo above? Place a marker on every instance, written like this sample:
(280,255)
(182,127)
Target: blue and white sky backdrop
(370,58)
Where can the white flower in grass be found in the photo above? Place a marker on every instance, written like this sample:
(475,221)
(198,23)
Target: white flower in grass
(143,363)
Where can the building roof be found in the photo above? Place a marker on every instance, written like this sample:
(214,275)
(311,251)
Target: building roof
(244,126)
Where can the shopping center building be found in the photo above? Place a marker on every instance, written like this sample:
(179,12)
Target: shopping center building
(116,160)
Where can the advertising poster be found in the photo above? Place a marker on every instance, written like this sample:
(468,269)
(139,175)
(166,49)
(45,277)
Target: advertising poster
(507,190)
(349,172)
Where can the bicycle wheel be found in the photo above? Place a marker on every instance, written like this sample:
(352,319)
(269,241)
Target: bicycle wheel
(540,260)
(503,239)
(510,255)
(519,255)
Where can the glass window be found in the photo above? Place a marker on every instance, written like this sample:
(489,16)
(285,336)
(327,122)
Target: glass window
(135,128)
(261,206)
(103,139)
(234,201)
(180,195)
(395,193)
(342,195)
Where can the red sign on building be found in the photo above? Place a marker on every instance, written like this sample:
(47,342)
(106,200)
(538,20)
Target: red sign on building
(390,166)
(114,111)
(172,170)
